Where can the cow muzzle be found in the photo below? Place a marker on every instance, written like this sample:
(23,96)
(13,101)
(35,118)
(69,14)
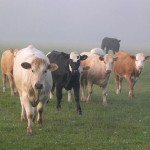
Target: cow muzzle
(108,71)
(74,72)
(140,68)
(38,86)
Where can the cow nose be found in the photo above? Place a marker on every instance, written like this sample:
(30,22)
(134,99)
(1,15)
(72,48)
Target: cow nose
(140,67)
(38,86)
(108,71)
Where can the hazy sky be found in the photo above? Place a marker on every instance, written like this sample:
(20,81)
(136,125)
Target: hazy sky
(74,23)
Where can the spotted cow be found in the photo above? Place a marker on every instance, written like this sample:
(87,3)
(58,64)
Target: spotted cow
(67,75)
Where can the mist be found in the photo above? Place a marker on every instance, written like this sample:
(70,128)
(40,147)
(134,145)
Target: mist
(74,24)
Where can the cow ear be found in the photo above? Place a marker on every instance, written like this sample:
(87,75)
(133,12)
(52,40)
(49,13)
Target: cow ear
(26,65)
(133,57)
(147,57)
(83,57)
(52,67)
(115,58)
(101,58)
(11,50)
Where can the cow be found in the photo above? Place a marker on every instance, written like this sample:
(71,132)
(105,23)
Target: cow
(94,51)
(33,79)
(97,51)
(67,75)
(110,44)
(7,61)
(129,67)
(99,71)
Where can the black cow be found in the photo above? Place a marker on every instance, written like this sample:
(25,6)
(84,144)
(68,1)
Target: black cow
(110,44)
(67,75)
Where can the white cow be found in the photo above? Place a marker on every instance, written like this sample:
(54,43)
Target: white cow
(98,73)
(33,79)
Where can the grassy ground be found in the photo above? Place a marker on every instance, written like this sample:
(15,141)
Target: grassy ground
(123,125)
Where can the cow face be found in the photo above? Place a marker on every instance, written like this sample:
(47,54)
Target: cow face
(139,61)
(39,69)
(108,60)
(74,62)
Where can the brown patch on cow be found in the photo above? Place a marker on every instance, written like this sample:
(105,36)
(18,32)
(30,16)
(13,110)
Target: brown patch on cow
(39,62)
(35,96)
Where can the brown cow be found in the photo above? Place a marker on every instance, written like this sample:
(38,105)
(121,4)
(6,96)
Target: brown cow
(129,67)
(7,61)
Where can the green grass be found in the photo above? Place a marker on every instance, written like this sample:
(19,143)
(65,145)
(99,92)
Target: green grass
(123,125)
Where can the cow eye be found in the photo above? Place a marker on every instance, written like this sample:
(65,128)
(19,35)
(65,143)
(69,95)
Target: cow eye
(33,71)
(78,57)
(45,71)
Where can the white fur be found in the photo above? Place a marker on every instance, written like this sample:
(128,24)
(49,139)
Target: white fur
(74,56)
(139,61)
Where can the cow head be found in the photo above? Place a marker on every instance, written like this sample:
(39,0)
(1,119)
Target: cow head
(39,69)
(139,61)
(108,60)
(74,61)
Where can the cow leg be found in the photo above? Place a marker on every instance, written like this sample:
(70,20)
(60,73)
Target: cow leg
(83,88)
(90,88)
(30,114)
(12,85)
(131,84)
(104,92)
(77,98)
(52,91)
(39,114)
(106,50)
(120,84)
(23,113)
(117,84)
(69,96)
(59,96)
(4,82)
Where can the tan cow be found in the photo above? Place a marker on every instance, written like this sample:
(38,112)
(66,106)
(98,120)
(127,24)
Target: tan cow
(7,61)
(129,67)
(98,73)
(33,79)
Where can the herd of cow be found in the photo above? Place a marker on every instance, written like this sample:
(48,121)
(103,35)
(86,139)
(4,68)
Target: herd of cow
(35,76)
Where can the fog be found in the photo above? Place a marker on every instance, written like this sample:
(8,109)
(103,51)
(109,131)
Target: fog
(74,24)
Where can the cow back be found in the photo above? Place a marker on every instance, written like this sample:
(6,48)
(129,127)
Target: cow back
(61,60)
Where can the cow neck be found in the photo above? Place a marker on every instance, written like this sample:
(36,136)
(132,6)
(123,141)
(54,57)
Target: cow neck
(137,73)
(67,67)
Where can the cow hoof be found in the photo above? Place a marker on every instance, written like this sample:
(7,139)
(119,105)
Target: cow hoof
(105,104)
(29,131)
(80,112)
(23,118)
(131,94)
(58,108)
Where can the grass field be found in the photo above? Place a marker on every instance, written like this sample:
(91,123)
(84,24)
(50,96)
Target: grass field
(123,125)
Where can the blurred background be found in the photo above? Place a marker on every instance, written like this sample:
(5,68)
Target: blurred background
(79,25)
